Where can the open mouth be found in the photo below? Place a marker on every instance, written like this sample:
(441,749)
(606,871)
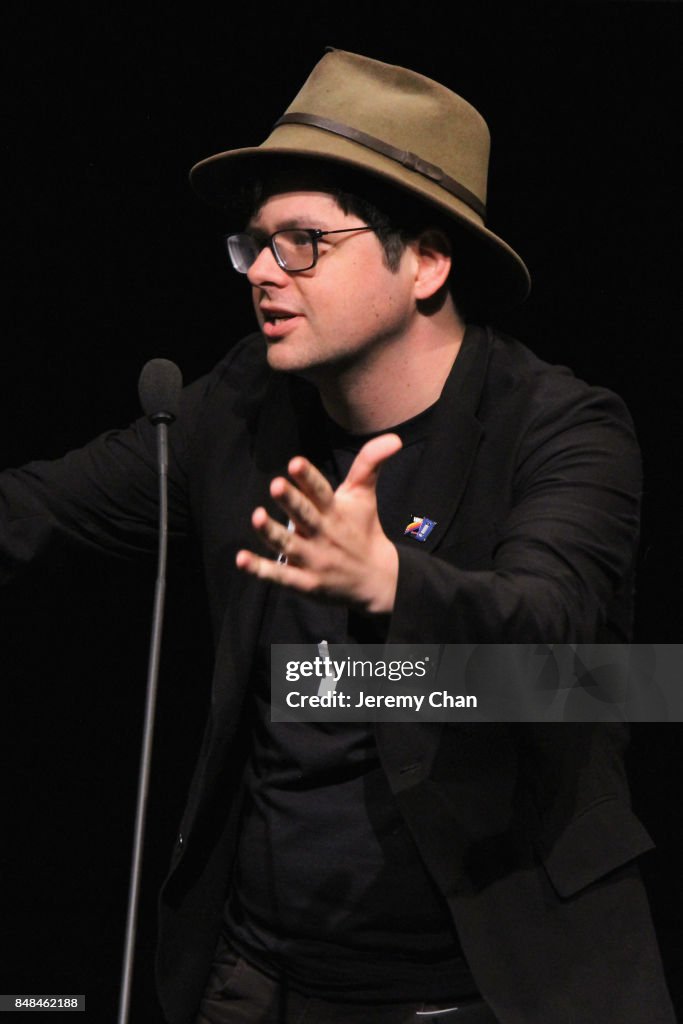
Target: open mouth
(278,318)
(276,322)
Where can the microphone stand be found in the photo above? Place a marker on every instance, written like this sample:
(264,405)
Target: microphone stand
(161,421)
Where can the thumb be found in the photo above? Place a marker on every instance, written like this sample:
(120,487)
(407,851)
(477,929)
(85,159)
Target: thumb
(366,465)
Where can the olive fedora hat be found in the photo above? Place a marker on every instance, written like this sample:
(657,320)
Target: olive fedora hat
(406,131)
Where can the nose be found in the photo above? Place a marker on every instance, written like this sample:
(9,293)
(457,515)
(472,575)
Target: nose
(266,270)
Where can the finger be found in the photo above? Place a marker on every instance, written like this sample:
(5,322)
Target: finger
(366,465)
(282,573)
(311,482)
(276,536)
(296,505)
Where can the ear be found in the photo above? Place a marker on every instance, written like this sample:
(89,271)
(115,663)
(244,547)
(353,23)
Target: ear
(433,255)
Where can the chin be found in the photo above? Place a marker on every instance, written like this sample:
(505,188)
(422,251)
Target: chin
(286,359)
(279,358)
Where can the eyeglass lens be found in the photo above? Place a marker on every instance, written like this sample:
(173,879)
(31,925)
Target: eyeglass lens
(293,249)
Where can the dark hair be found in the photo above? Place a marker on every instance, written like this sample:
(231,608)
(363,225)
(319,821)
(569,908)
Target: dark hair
(392,238)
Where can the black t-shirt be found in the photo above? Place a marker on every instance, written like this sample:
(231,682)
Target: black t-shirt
(329,887)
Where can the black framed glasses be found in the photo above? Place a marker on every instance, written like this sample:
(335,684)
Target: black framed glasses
(294,249)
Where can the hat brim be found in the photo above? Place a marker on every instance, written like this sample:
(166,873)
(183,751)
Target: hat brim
(495,278)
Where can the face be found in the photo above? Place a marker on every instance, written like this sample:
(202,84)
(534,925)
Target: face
(338,314)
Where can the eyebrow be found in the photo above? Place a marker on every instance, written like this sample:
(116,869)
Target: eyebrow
(285,225)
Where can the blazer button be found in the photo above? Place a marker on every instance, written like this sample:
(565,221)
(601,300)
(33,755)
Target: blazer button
(181,839)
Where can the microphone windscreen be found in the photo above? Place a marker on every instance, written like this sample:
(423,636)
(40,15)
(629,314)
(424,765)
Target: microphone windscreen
(159,389)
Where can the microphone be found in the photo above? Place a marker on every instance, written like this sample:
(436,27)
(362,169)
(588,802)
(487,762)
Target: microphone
(159,388)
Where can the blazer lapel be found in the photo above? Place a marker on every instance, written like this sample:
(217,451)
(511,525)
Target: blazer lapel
(408,749)
(277,423)
(272,435)
(279,432)
(439,485)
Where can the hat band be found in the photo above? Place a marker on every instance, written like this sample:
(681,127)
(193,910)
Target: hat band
(402,156)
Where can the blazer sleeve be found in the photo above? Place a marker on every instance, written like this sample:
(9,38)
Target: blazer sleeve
(564,543)
(103,497)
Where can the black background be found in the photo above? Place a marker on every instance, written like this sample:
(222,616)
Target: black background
(109,260)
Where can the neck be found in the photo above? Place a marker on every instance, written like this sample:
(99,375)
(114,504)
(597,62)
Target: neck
(395,382)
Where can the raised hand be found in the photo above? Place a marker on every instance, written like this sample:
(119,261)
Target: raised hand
(337,549)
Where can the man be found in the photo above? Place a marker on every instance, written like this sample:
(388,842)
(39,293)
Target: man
(413,872)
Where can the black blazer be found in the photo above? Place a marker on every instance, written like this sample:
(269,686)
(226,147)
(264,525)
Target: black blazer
(533,478)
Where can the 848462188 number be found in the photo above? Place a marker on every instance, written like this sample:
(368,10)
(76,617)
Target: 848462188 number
(42,1002)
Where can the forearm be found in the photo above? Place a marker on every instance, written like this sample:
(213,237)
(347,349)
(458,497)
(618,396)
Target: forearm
(103,497)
